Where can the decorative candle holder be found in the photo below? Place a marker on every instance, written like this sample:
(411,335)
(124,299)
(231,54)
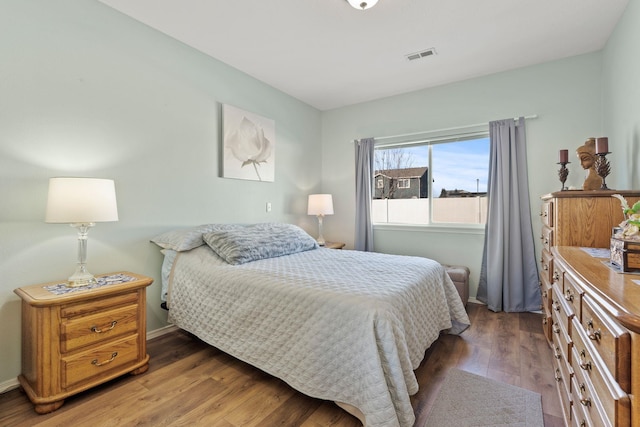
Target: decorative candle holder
(603,168)
(563,173)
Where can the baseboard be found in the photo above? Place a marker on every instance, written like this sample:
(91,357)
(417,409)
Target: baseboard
(11,384)
(475,301)
(160,332)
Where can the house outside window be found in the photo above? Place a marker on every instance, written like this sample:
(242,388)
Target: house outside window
(440,180)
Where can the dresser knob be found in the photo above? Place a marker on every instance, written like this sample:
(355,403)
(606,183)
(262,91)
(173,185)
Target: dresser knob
(593,335)
(557,376)
(568,296)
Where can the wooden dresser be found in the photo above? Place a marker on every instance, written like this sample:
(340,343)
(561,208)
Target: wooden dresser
(575,218)
(593,375)
(76,340)
(596,340)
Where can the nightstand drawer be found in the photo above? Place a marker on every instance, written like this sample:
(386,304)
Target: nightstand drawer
(83,331)
(100,361)
(94,305)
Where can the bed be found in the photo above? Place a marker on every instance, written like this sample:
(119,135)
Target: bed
(340,325)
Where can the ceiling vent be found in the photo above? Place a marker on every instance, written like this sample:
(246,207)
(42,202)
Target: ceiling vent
(421,54)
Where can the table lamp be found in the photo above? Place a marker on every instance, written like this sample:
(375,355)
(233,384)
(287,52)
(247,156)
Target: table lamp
(81,202)
(320,205)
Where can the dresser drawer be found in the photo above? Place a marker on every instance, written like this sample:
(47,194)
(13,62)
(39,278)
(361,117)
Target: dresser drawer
(546,213)
(563,381)
(561,310)
(546,293)
(610,340)
(587,402)
(88,330)
(100,361)
(578,418)
(547,237)
(546,265)
(587,365)
(560,338)
(572,294)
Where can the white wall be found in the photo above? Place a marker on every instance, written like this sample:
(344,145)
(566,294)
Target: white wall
(565,95)
(621,107)
(86,91)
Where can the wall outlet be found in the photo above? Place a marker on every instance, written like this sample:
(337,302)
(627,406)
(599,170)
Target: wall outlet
(268,206)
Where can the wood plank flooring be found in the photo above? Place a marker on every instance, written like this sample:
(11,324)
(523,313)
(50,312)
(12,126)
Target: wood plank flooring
(190,383)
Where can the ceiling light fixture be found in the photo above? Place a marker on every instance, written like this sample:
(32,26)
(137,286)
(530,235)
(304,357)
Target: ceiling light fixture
(362,5)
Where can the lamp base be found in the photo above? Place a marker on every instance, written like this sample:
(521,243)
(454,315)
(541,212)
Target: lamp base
(81,278)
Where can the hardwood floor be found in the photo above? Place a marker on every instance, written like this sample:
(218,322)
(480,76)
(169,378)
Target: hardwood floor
(190,383)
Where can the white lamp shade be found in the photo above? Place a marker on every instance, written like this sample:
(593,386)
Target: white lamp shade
(320,204)
(362,4)
(81,200)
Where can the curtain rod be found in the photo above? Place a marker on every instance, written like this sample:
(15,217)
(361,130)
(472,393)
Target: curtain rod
(406,135)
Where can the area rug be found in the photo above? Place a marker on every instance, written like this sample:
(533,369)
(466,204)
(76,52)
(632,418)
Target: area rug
(466,400)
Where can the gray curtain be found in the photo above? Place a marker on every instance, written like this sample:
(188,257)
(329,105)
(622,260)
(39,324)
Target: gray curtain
(509,273)
(364,179)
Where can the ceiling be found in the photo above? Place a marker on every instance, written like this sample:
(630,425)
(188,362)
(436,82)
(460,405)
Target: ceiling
(329,55)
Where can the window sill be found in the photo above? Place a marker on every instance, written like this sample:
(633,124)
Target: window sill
(477,229)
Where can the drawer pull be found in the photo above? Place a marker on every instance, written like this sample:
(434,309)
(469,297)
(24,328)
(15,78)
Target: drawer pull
(585,366)
(556,276)
(583,423)
(585,401)
(593,335)
(545,267)
(568,296)
(544,321)
(556,329)
(557,376)
(113,356)
(556,353)
(556,306)
(100,331)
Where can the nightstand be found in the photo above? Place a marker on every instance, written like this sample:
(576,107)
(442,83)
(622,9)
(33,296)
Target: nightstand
(334,245)
(76,338)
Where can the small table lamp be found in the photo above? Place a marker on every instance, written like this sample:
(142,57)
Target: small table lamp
(320,205)
(81,202)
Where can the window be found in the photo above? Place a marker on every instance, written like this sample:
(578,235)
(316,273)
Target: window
(404,183)
(380,183)
(449,173)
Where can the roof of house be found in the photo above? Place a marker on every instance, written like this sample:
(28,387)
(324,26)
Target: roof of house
(402,173)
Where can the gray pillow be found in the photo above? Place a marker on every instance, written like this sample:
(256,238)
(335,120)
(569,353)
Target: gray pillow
(186,239)
(259,241)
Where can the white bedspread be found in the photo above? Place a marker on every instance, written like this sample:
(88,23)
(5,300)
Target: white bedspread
(346,326)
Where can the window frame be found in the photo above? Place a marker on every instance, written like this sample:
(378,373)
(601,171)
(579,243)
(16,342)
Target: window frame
(403,181)
(429,139)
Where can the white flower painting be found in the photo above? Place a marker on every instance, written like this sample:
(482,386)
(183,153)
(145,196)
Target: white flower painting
(249,145)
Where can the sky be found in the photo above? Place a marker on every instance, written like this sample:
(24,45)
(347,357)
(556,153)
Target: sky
(461,165)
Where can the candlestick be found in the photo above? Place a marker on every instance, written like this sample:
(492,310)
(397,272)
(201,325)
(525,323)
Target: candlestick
(602,168)
(563,173)
(564,156)
(602,145)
